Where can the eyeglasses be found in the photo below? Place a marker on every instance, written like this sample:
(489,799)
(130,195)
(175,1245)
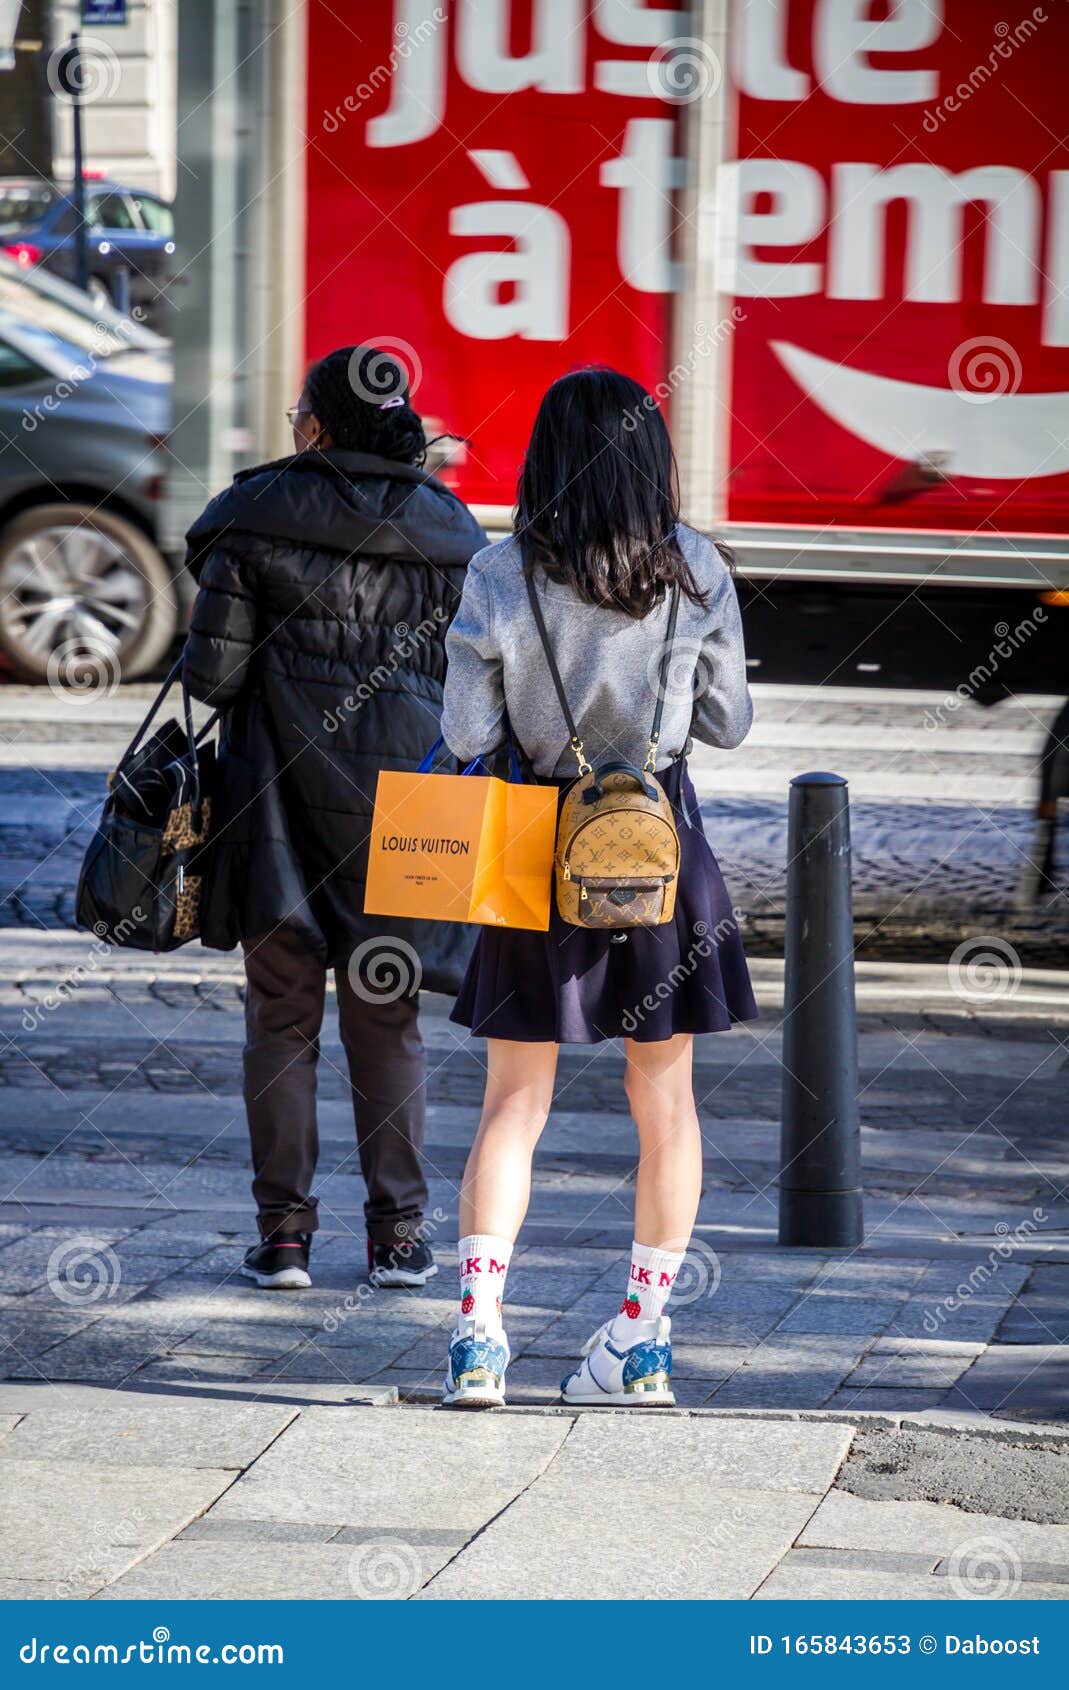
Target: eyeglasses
(294,412)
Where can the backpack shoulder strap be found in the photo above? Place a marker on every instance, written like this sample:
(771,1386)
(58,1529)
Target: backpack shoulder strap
(662,685)
(540,622)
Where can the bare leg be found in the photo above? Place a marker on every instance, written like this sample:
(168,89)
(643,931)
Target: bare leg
(497,1179)
(660,1091)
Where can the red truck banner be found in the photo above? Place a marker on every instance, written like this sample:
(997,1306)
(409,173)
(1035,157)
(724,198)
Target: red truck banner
(493,194)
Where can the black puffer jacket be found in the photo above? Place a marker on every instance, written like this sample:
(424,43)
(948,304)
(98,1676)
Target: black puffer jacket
(327,582)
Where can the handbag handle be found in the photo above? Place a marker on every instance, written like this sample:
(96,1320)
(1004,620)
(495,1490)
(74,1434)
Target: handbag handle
(193,739)
(477,764)
(594,792)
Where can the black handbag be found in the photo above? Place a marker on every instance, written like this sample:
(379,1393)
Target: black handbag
(143,875)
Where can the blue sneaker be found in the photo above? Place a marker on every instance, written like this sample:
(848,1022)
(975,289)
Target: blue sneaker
(610,1376)
(475,1374)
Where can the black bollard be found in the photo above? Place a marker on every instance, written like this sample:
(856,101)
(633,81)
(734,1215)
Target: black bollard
(820,1138)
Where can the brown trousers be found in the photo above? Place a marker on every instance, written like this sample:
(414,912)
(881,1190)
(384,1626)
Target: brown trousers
(284,1003)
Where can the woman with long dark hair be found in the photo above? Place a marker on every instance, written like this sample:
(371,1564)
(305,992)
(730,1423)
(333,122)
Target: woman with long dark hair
(326,583)
(601,559)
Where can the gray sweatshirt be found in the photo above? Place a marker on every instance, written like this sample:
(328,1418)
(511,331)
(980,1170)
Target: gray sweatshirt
(609,663)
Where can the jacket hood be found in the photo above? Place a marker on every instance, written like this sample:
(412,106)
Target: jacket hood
(342,501)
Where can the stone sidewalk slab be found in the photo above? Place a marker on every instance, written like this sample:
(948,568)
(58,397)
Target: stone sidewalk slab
(1017,1379)
(793,1583)
(124,1430)
(409,1468)
(556,1542)
(81,1523)
(737,1454)
(850,1522)
(378,1570)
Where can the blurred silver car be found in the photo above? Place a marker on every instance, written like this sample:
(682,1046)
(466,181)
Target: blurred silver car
(85,401)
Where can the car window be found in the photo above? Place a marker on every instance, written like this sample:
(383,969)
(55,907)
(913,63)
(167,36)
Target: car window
(15,368)
(111,211)
(22,204)
(37,299)
(157,217)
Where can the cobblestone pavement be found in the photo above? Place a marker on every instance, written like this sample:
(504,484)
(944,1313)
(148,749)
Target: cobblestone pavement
(158,1413)
(942,795)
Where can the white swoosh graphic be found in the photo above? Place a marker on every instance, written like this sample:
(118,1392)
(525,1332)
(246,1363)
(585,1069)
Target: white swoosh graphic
(999,437)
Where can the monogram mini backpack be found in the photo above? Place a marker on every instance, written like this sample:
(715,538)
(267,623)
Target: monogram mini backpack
(617,854)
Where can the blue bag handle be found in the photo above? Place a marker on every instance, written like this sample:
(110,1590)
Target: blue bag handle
(477,766)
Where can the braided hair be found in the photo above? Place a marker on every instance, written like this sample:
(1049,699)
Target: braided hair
(361,396)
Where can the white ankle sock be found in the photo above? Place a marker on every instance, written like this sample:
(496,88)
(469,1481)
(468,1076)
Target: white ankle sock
(484,1262)
(649,1287)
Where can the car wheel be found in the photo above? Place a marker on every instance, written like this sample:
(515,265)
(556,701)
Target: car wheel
(85,597)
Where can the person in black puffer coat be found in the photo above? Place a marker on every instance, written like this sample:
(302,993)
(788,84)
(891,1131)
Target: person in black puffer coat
(327,581)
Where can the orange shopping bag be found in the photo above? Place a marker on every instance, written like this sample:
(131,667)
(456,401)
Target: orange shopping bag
(462,848)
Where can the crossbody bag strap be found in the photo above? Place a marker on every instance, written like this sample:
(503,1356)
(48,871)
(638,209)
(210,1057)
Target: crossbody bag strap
(540,622)
(662,684)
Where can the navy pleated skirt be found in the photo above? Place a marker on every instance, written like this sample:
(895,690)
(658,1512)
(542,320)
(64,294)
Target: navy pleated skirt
(574,985)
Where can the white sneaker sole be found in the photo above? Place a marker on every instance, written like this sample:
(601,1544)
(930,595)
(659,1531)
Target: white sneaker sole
(287,1279)
(475,1396)
(385,1278)
(619,1399)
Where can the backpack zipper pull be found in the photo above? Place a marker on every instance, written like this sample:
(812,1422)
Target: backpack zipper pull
(567,869)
